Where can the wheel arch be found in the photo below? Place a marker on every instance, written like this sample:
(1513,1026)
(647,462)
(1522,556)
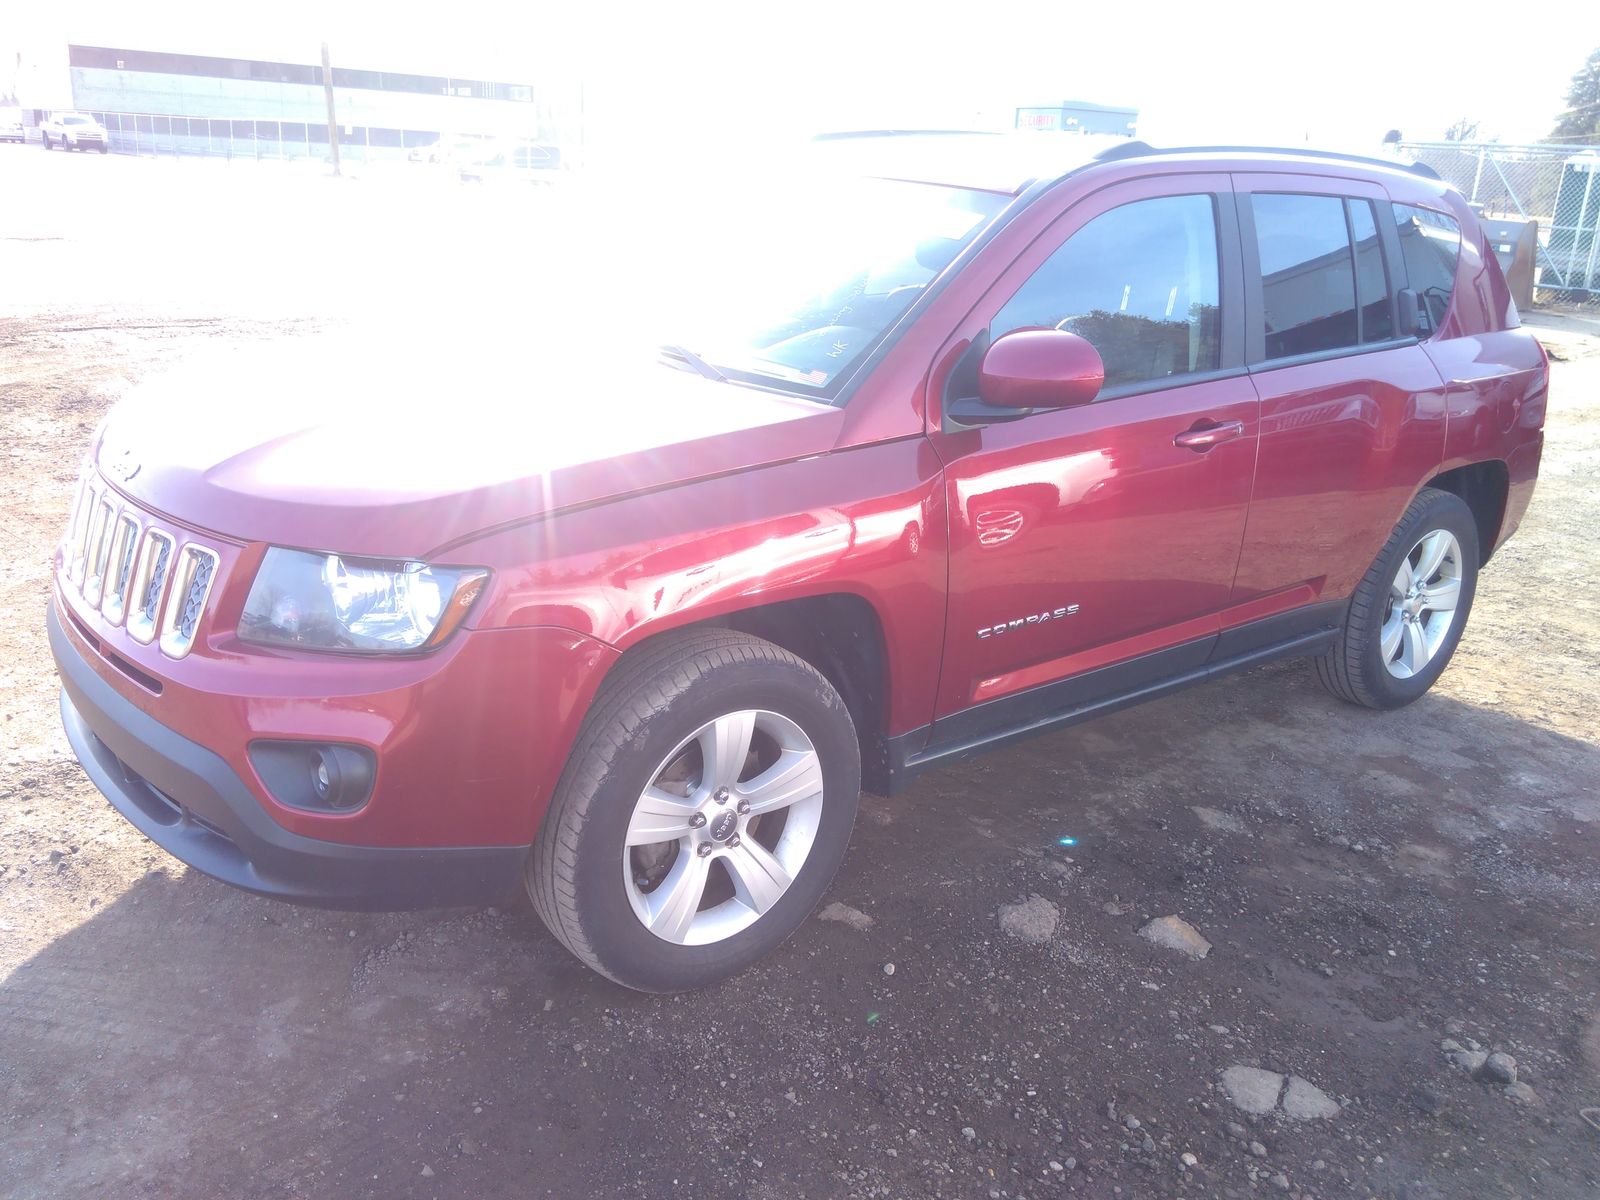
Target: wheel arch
(841,634)
(1484,487)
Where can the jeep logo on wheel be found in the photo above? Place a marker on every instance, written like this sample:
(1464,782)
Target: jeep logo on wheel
(722,828)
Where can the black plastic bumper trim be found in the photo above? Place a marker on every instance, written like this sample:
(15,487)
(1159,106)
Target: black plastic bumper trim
(190,802)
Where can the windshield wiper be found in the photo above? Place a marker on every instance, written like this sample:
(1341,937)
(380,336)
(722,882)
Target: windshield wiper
(676,355)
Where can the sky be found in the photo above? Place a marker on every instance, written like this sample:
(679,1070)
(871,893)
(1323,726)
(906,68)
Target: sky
(1267,73)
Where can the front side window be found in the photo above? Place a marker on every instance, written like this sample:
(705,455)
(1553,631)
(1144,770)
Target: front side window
(1140,283)
(1430,246)
(1307,283)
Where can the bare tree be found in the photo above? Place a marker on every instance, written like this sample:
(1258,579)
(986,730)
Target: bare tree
(1462,131)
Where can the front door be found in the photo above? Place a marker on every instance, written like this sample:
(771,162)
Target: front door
(1092,549)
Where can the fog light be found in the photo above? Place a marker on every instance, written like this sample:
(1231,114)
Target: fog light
(318,776)
(342,777)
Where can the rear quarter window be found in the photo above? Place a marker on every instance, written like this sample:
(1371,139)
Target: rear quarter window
(1430,247)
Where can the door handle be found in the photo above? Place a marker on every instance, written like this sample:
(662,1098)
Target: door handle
(1202,439)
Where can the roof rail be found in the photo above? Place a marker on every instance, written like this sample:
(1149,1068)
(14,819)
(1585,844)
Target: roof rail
(1135,149)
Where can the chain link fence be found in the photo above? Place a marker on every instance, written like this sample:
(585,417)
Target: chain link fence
(1556,186)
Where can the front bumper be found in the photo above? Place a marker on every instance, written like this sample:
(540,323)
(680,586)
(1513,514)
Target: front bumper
(190,802)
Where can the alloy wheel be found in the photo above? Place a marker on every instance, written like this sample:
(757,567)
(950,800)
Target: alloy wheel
(723,828)
(1422,604)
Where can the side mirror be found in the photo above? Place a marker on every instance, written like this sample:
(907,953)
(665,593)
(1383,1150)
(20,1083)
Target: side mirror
(1032,369)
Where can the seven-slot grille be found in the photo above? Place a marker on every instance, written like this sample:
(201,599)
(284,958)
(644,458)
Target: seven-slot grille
(135,574)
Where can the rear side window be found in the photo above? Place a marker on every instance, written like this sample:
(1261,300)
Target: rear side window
(1139,283)
(1430,245)
(1307,284)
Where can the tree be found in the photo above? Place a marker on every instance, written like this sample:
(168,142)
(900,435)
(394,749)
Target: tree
(1580,121)
(1462,131)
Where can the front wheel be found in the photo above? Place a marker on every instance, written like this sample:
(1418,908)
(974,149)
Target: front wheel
(45,137)
(1406,617)
(703,812)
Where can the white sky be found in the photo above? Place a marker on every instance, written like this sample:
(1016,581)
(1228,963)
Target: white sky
(1271,73)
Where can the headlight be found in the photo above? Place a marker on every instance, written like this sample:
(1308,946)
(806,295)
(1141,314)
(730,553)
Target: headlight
(329,602)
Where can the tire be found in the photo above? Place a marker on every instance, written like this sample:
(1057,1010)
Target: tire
(46,139)
(1361,668)
(104,149)
(585,881)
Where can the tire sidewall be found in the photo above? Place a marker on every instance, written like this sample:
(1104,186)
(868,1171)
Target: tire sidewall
(625,948)
(1443,510)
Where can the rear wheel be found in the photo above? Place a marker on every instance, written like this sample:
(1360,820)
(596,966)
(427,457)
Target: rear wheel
(704,810)
(46,139)
(1409,610)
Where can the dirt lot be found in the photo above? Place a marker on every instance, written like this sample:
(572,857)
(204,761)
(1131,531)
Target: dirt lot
(1371,885)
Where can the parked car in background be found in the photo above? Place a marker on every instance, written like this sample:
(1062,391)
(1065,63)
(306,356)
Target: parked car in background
(11,128)
(513,162)
(450,150)
(75,131)
(1004,445)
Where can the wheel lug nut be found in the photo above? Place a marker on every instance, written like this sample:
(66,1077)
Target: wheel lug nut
(733,841)
(721,796)
(744,807)
(697,820)
(703,849)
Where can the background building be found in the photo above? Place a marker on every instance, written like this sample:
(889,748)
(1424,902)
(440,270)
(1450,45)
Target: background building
(1078,116)
(265,98)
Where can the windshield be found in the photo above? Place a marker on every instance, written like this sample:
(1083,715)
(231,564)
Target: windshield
(796,290)
(75,120)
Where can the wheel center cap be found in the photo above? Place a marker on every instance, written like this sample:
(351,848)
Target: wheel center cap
(723,827)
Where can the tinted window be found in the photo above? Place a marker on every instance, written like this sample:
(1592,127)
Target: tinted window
(1139,283)
(1307,285)
(1372,283)
(1430,244)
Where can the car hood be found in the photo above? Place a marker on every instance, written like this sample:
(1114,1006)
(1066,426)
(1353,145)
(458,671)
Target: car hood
(324,448)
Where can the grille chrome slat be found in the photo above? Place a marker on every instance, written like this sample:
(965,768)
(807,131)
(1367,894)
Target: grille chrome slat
(191,586)
(149,584)
(99,549)
(119,568)
(87,506)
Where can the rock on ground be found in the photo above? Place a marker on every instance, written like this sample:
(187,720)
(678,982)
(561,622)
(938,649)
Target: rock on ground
(1252,1089)
(1305,1101)
(1498,1068)
(1523,1094)
(1033,920)
(846,915)
(1215,818)
(1174,933)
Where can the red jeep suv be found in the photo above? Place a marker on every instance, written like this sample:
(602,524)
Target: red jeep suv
(1003,448)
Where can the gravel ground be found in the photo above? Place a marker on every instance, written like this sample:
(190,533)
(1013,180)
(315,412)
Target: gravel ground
(1365,907)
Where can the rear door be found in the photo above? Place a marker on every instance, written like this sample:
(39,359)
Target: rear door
(1085,540)
(1352,415)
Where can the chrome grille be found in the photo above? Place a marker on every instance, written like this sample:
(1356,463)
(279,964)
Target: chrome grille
(135,574)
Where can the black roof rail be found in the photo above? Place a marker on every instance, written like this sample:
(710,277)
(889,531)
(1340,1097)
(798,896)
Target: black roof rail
(1134,149)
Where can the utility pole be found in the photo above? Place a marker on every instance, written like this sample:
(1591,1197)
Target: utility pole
(333,121)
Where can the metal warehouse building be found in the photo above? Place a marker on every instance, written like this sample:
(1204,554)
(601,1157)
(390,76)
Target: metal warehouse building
(186,103)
